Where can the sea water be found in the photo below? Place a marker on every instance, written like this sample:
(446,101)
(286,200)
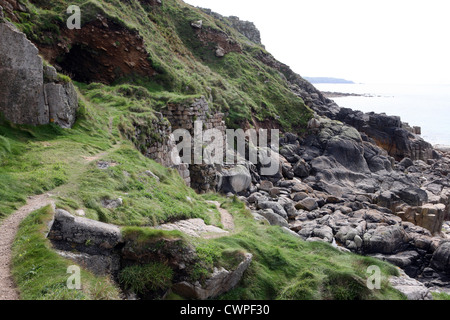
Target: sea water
(426,106)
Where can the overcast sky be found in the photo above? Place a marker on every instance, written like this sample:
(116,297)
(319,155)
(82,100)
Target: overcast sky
(382,41)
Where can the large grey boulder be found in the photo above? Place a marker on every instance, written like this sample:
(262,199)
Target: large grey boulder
(31,93)
(411,288)
(348,153)
(62,102)
(235,180)
(441,257)
(21,79)
(275,206)
(308,204)
(302,169)
(385,239)
(273,218)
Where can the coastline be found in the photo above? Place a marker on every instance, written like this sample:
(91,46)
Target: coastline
(333,94)
(442,147)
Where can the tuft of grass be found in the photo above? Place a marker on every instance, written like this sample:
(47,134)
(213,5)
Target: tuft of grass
(41,274)
(440,296)
(63,78)
(151,277)
(341,285)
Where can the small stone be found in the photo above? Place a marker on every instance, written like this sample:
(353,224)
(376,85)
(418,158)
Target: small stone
(80,213)
(308,204)
(197,24)
(299,196)
(220,52)
(152,175)
(112,204)
(274,192)
(266,185)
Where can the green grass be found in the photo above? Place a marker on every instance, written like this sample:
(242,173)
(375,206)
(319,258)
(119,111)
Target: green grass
(285,267)
(35,160)
(143,236)
(143,278)
(41,274)
(440,296)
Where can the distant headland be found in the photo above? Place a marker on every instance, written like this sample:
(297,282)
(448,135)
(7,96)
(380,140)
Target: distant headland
(327,80)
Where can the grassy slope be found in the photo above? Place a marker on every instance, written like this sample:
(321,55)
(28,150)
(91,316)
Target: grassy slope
(47,157)
(35,160)
(240,84)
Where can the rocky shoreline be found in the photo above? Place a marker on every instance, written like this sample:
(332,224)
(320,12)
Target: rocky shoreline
(365,183)
(334,94)
(335,187)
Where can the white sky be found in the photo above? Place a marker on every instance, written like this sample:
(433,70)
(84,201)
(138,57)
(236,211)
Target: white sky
(382,41)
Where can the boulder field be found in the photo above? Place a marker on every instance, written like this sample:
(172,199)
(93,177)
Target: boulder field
(337,186)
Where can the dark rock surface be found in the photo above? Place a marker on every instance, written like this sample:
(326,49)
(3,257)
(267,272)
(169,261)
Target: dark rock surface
(349,192)
(31,93)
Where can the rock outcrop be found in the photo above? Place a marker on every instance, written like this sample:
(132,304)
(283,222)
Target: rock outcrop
(411,288)
(220,282)
(389,133)
(195,228)
(101,248)
(31,93)
(235,179)
(95,243)
(246,28)
(103,51)
(217,40)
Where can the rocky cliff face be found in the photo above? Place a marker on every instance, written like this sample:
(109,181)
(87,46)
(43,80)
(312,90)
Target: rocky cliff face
(31,93)
(388,132)
(101,51)
(246,28)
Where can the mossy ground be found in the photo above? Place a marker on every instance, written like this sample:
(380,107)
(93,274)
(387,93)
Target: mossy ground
(34,160)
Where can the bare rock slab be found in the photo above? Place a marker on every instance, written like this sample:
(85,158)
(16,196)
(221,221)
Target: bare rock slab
(220,282)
